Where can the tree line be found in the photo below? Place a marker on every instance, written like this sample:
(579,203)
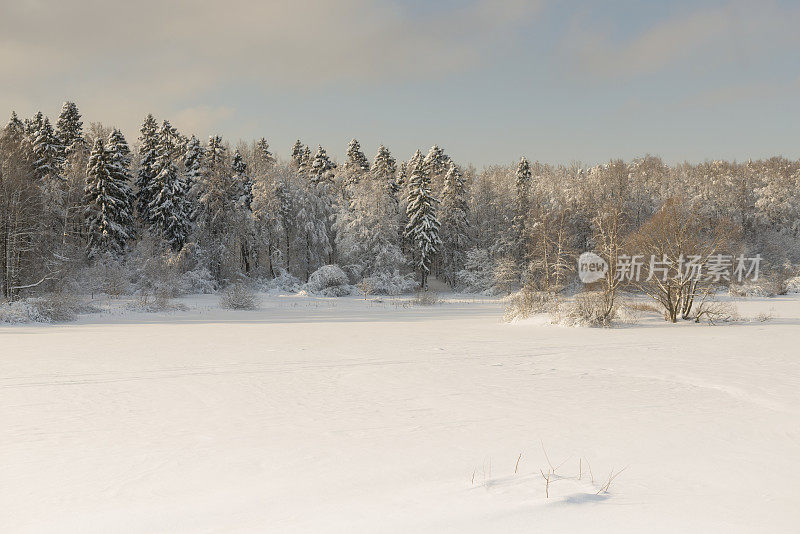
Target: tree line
(75,202)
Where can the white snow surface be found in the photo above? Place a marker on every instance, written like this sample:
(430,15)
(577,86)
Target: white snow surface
(340,415)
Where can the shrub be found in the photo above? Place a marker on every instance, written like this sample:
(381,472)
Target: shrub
(527,302)
(238,297)
(283,282)
(391,283)
(716,312)
(586,309)
(14,312)
(329,281)
(157,271)
(53,307)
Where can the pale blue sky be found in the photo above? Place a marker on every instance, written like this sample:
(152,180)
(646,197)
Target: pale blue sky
(487,80)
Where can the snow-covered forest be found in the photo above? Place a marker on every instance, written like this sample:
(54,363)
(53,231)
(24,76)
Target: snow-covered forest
(83,209)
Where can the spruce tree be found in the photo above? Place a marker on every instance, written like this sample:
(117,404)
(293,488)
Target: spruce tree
(455,225)
(384,170)
(436,162)
(15,129)
(297,152)
(118,145)
(119,158)
(47,152)
(193,166)
(416,161)
(193,160)
(14,133)
(216,200)
(305,161)
(521,224)
(322,167)
(402,175)
(215,153)
(174,139)
(148,152)
(168,210)
(422,229)
(356,164)
(33,125)
(242,181)
(69,129)
(108,202)
(263,156)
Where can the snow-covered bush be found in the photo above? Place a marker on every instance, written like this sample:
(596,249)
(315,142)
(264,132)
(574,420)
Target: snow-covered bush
(14,312)
(777,281)
(329,281)
(750,289)
(238,297)
(148,270)
(198,280)
(284,282)
(51,308)
(526,302)
(55,307)
(714,311)
(158,271)
(391,283)
(586,309)
(477,276)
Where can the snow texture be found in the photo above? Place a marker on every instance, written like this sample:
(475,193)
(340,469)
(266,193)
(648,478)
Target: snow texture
(344,415)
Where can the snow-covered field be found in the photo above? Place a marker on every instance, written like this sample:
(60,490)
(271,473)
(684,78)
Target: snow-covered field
(340,415)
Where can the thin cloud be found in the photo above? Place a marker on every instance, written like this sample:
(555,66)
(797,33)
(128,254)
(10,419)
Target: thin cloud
(736,32)
(280,43)
(165,55)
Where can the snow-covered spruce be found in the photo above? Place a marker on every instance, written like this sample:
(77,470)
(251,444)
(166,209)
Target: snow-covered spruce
(422,229)
(356,165)
(69,130)
(48,158)
(148,153)
(384,170)
(169,212)
(454,224)
(109,202)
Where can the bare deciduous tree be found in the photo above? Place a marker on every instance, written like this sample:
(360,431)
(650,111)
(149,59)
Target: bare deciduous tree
(682,248)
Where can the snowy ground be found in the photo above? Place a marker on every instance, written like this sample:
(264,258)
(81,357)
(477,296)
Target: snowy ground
(339,415)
